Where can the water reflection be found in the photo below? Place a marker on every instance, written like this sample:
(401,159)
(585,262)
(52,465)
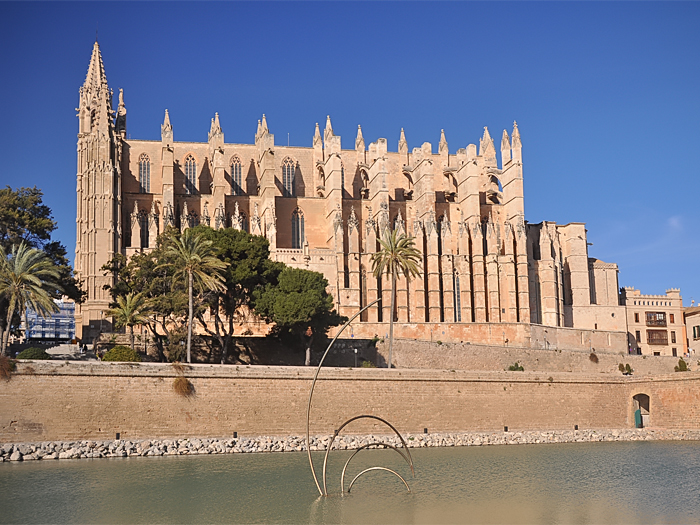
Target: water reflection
(566,483)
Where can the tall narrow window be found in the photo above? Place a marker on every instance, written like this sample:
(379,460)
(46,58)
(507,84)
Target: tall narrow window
(458,300)
(297,229)
(190,175)
(244,222)
(288,173)
(672,318)
(236,185)
(144,173)
(143,225)
(342,180)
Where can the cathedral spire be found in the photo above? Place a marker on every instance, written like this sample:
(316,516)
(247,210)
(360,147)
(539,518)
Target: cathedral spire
(517,145)
(505,148)
(166,130)
(360,140)
(443,141)
(328,132)
(486,146)
(215,127)
(317,135)
(402,140)
(95,77)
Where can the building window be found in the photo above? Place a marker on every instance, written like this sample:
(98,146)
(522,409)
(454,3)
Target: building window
(657,337)
(143,225)
(673,336)
(297,229)
(190,175)
(671,318)
(458,301)
(342,180)
(288,172)
(144,174)
(696,332)
(674,352)
(244,222)
(638,336)
(236,186)
(636,317)
(656,318)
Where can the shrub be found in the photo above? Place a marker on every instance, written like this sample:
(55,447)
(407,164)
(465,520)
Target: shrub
(122,353)
(682,366)
(516,367)
(7,366)
(33,353)
(621,368)
(368,364)
(183,386)
(593,357)
(438,342)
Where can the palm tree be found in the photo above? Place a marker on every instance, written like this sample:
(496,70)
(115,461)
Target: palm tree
(25,276)
(134,309)
(193,257)
(397,255)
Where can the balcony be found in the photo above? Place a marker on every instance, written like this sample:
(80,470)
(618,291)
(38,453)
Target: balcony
(657,337)
(656,318)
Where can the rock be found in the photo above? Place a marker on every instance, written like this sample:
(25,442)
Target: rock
(16,456)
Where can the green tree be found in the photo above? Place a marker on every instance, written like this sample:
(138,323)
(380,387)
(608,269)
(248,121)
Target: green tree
(25,218)
(299,305)
(193,258)
(397,255)
(131,310)
(151,274)
(26,277)
(248,268)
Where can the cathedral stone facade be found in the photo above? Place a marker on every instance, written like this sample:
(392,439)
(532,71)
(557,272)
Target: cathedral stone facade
(488,276)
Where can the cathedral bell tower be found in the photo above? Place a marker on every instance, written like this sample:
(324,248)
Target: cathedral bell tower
(98,223)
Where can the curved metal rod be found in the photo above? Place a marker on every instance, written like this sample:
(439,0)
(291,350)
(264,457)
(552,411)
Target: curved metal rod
(378,444)
(378,468)
(311,393)
(330,445)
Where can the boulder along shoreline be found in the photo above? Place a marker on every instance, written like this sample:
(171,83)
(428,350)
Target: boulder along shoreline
(88,449)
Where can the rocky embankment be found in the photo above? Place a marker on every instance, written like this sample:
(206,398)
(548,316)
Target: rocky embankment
(178,447)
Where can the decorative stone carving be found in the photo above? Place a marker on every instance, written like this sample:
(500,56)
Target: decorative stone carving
(353,223)
(205,218)
(399,224)
(370,223)
(236,218)
(338,221)
(255,222)
(219,217)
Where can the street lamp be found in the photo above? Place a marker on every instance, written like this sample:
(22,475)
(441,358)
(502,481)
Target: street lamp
(355,357)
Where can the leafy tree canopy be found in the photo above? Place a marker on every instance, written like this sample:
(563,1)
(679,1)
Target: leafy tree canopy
(299,305)
(24,217)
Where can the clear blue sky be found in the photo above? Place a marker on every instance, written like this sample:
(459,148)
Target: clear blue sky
(606,95)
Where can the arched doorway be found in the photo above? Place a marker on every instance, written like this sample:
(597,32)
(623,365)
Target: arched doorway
(641,410)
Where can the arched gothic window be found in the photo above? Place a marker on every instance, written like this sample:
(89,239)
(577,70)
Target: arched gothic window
(288,172)
(190,175)
(297,229)
(236,184)
(144,173)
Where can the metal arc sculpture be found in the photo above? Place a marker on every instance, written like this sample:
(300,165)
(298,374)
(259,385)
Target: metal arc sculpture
(407,456)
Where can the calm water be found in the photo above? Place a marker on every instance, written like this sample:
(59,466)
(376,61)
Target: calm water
(566,483)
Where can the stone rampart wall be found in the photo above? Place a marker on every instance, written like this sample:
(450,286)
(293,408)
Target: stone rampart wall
(63,401)
(499,334)
(463,356)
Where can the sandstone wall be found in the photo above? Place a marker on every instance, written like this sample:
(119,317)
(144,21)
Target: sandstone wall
(500,334)
(464,356)
(51,401)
